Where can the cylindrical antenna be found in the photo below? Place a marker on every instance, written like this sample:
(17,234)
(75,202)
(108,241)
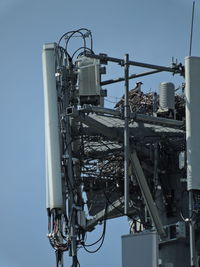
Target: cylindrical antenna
(52,142)
(192,26)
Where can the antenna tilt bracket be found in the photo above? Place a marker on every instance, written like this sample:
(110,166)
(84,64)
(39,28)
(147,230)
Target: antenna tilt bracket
(103,59)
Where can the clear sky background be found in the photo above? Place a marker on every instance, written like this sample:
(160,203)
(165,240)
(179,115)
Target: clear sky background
(151,31)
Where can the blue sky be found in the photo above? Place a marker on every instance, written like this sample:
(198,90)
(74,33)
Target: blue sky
(151,31)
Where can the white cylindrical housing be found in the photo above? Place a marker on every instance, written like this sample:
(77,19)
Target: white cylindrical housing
(192,78)
(167,96)
(52,143)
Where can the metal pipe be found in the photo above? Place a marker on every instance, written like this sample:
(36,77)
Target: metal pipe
(155,104)
(191,30)
(133,76)
(71,201)
(59,258)
(134,63)
(192,234)
(150,66)
(155,172)
(126,135)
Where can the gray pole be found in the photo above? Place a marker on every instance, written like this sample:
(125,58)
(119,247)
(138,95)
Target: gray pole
(192,236)
(126,134)
(191,31)
(71,202)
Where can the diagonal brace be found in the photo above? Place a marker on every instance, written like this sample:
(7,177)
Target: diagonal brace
(138,172)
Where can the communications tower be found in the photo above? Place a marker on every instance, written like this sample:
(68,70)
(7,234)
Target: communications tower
(139,159)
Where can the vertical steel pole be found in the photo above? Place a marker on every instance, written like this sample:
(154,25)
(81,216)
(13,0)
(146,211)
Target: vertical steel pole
(71,204)
(126,134)
(191,30)
(192,234)
(59,258)
(155,172)
(155,98)
(71,201)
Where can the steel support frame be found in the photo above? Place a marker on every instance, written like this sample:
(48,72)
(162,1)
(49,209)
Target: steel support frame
(80,114)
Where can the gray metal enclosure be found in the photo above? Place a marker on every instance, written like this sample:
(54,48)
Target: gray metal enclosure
(140,250)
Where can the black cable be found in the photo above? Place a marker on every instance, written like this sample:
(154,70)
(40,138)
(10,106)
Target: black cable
(102,238)
(81,29)
(102,241)
(64,36)
(96,250)
(85,48)
(81,34)
(103,232)
(94,243)
(78,31)
(60,52)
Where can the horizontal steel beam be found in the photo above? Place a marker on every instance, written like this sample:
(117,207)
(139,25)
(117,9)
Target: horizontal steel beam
(156,120)
(101,110)
(133,76)
(175,69)
(136,116)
